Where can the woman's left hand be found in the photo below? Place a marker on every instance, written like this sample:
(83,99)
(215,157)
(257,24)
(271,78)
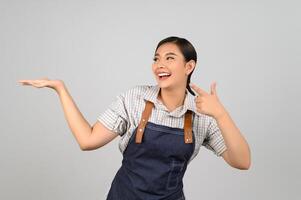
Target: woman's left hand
(208,104)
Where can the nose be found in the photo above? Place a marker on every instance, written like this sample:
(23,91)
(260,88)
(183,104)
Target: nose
(161,64)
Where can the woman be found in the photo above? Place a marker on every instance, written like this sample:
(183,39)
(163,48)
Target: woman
(162,127)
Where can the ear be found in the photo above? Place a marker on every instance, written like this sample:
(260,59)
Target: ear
(189,66)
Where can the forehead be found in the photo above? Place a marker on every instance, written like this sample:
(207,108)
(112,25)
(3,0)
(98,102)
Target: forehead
(168,48)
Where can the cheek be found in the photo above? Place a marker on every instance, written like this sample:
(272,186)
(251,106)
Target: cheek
(179,71)
(153,67)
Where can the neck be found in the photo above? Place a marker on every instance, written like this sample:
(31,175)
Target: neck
(172,98)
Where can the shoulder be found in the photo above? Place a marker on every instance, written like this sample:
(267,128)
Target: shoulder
(134,96)
(203,120)
(204,116)
(137,91)
(140,88)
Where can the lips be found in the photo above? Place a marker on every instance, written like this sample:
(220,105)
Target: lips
(160,73)
(163,76)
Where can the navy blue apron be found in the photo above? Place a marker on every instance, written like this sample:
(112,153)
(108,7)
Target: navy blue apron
(154,169)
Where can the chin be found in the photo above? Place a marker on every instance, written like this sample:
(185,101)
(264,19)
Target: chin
(165,85)
(162,83)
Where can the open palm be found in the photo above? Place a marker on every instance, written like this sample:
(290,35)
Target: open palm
(43,82)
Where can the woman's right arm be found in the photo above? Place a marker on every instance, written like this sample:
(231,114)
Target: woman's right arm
(87,137)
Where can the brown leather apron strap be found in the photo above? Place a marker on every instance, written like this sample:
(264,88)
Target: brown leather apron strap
(145,116)
(188,127)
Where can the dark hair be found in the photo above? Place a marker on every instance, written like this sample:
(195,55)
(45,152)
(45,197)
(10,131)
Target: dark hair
(186,49)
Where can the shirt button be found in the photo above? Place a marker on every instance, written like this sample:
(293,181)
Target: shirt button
(140,129)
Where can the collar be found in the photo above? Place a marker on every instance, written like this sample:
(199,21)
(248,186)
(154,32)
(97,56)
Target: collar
(152,93)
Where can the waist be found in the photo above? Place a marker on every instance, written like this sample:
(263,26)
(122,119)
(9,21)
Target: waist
(153,182)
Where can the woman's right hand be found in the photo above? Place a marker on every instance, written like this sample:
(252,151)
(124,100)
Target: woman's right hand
(44,82)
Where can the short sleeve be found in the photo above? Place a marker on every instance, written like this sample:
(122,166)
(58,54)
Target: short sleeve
(115,117)
(214,140)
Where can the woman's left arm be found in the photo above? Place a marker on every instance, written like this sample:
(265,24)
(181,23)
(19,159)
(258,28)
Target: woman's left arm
(238,153)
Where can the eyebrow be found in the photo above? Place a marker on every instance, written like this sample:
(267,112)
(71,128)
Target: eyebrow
(169,53)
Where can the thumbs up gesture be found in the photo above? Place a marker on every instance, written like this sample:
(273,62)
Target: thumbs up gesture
(206,103)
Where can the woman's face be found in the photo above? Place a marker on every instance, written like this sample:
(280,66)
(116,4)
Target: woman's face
(170,61)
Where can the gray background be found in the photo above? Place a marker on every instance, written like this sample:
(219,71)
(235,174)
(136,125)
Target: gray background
(102,48)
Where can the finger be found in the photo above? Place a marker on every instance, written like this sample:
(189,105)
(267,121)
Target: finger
(23,81)
(27,82)
(37,84)
(198,89)
(213,88)
(38,81)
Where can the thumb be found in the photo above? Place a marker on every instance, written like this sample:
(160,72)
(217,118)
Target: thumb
(213,88)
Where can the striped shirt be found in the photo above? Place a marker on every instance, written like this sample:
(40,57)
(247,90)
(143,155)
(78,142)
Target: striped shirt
(124,114)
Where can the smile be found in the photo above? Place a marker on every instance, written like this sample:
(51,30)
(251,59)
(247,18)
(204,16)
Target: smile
(163,77)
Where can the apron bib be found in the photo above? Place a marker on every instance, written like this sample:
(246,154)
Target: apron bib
(154,162)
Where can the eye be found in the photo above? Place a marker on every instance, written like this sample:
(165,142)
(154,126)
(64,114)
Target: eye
(169,57)
(154,59)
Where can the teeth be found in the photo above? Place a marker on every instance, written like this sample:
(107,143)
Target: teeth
(163,74)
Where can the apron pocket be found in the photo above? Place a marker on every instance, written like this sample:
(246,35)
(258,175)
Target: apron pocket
(174,174)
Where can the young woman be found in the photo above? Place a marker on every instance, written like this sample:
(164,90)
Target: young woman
(162,127)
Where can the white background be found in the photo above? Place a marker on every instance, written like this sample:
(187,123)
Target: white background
(102,48)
